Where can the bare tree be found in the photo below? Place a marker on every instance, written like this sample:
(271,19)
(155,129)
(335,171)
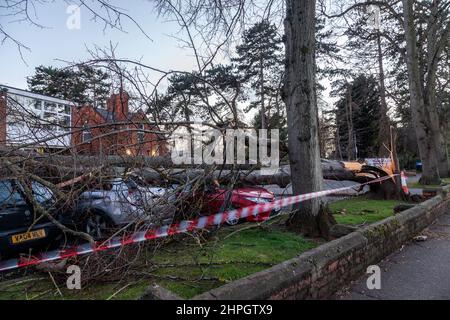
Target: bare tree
(419,41)
(422,87)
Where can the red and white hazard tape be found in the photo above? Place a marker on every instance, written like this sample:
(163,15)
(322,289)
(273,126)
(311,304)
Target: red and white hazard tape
(168,230)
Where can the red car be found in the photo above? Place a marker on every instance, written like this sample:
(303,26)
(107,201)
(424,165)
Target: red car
(214,199)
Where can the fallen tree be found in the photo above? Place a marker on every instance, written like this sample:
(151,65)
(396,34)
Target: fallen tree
(65,170)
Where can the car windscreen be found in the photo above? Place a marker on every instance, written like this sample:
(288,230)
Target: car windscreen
(9,195)
(42,194)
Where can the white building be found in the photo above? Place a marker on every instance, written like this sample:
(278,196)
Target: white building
(33,120)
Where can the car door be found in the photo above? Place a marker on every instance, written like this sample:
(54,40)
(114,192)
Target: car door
(214,200)
(15,212)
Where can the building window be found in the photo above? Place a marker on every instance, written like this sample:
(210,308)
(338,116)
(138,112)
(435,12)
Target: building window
(141,134)
(67,109)
(155,151)
(50,106)
(64,123)
(38,104)
(87,134)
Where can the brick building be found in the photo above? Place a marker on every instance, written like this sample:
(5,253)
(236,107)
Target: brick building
(114,130)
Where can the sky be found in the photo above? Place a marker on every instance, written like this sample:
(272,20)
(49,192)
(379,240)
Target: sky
(57,42)
(54,42)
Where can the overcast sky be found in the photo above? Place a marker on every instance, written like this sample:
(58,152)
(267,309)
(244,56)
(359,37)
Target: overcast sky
(55,41)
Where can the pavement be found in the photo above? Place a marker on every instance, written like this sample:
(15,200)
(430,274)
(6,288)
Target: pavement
(419,270)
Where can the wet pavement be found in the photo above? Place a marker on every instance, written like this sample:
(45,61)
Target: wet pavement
(420,270)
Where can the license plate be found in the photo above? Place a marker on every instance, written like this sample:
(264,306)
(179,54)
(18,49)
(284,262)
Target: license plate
(27,236)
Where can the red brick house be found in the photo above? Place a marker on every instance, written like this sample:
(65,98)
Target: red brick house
(114,130)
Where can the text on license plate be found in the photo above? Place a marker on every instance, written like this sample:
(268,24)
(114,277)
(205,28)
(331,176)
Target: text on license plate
(27,236)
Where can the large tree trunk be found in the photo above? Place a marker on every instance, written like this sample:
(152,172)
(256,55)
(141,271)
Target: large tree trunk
(433,55)
(419,112)
(383,121)
(263,107)
(351,150)
(443,161)
(299,95)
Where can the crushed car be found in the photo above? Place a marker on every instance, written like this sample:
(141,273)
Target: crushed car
(119,203)
(210,198)
(22,229)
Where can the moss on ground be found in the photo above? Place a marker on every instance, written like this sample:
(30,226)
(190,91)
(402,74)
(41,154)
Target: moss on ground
(358,211)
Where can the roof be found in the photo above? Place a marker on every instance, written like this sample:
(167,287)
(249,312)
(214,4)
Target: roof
(109,116)
(34,95)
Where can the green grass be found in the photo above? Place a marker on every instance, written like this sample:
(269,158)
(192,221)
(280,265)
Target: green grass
(184,266)
(220,262)
(41,287)
(357,211)
(417,185)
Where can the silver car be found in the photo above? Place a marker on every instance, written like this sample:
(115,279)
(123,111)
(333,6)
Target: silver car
(119,203)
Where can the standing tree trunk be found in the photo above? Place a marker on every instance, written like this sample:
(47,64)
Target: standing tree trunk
(383,121)
(349,117)
(433,54)
(420,116)
(311,218)
(263,107)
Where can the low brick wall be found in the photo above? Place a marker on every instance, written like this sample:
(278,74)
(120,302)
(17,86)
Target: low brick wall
(319,273)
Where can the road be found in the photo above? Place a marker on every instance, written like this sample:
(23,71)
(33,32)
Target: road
(420,270)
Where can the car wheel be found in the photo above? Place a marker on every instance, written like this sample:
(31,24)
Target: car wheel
(232,221)
(97,225)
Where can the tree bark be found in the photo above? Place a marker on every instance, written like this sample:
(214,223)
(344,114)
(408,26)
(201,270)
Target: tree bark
(383,121)
(433,54)
(311,217)
(420,117)
(263,107)
(349,116)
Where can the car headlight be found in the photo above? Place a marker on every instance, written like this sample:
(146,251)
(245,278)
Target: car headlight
(258,200)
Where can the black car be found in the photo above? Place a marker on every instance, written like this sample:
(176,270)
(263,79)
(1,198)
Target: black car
(21,228)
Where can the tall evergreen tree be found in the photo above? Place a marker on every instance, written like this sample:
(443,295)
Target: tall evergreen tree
(357,114)
(82,84)
(185,92)
(260,62)
(227,88)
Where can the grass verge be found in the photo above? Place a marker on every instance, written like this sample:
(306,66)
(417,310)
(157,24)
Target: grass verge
(185,266)
(417,185)
(359,211)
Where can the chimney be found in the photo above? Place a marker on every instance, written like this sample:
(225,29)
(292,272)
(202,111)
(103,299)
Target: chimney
(117,104)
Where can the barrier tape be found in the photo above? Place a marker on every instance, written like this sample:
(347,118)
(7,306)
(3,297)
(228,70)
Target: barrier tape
(168,230)
(404,183)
